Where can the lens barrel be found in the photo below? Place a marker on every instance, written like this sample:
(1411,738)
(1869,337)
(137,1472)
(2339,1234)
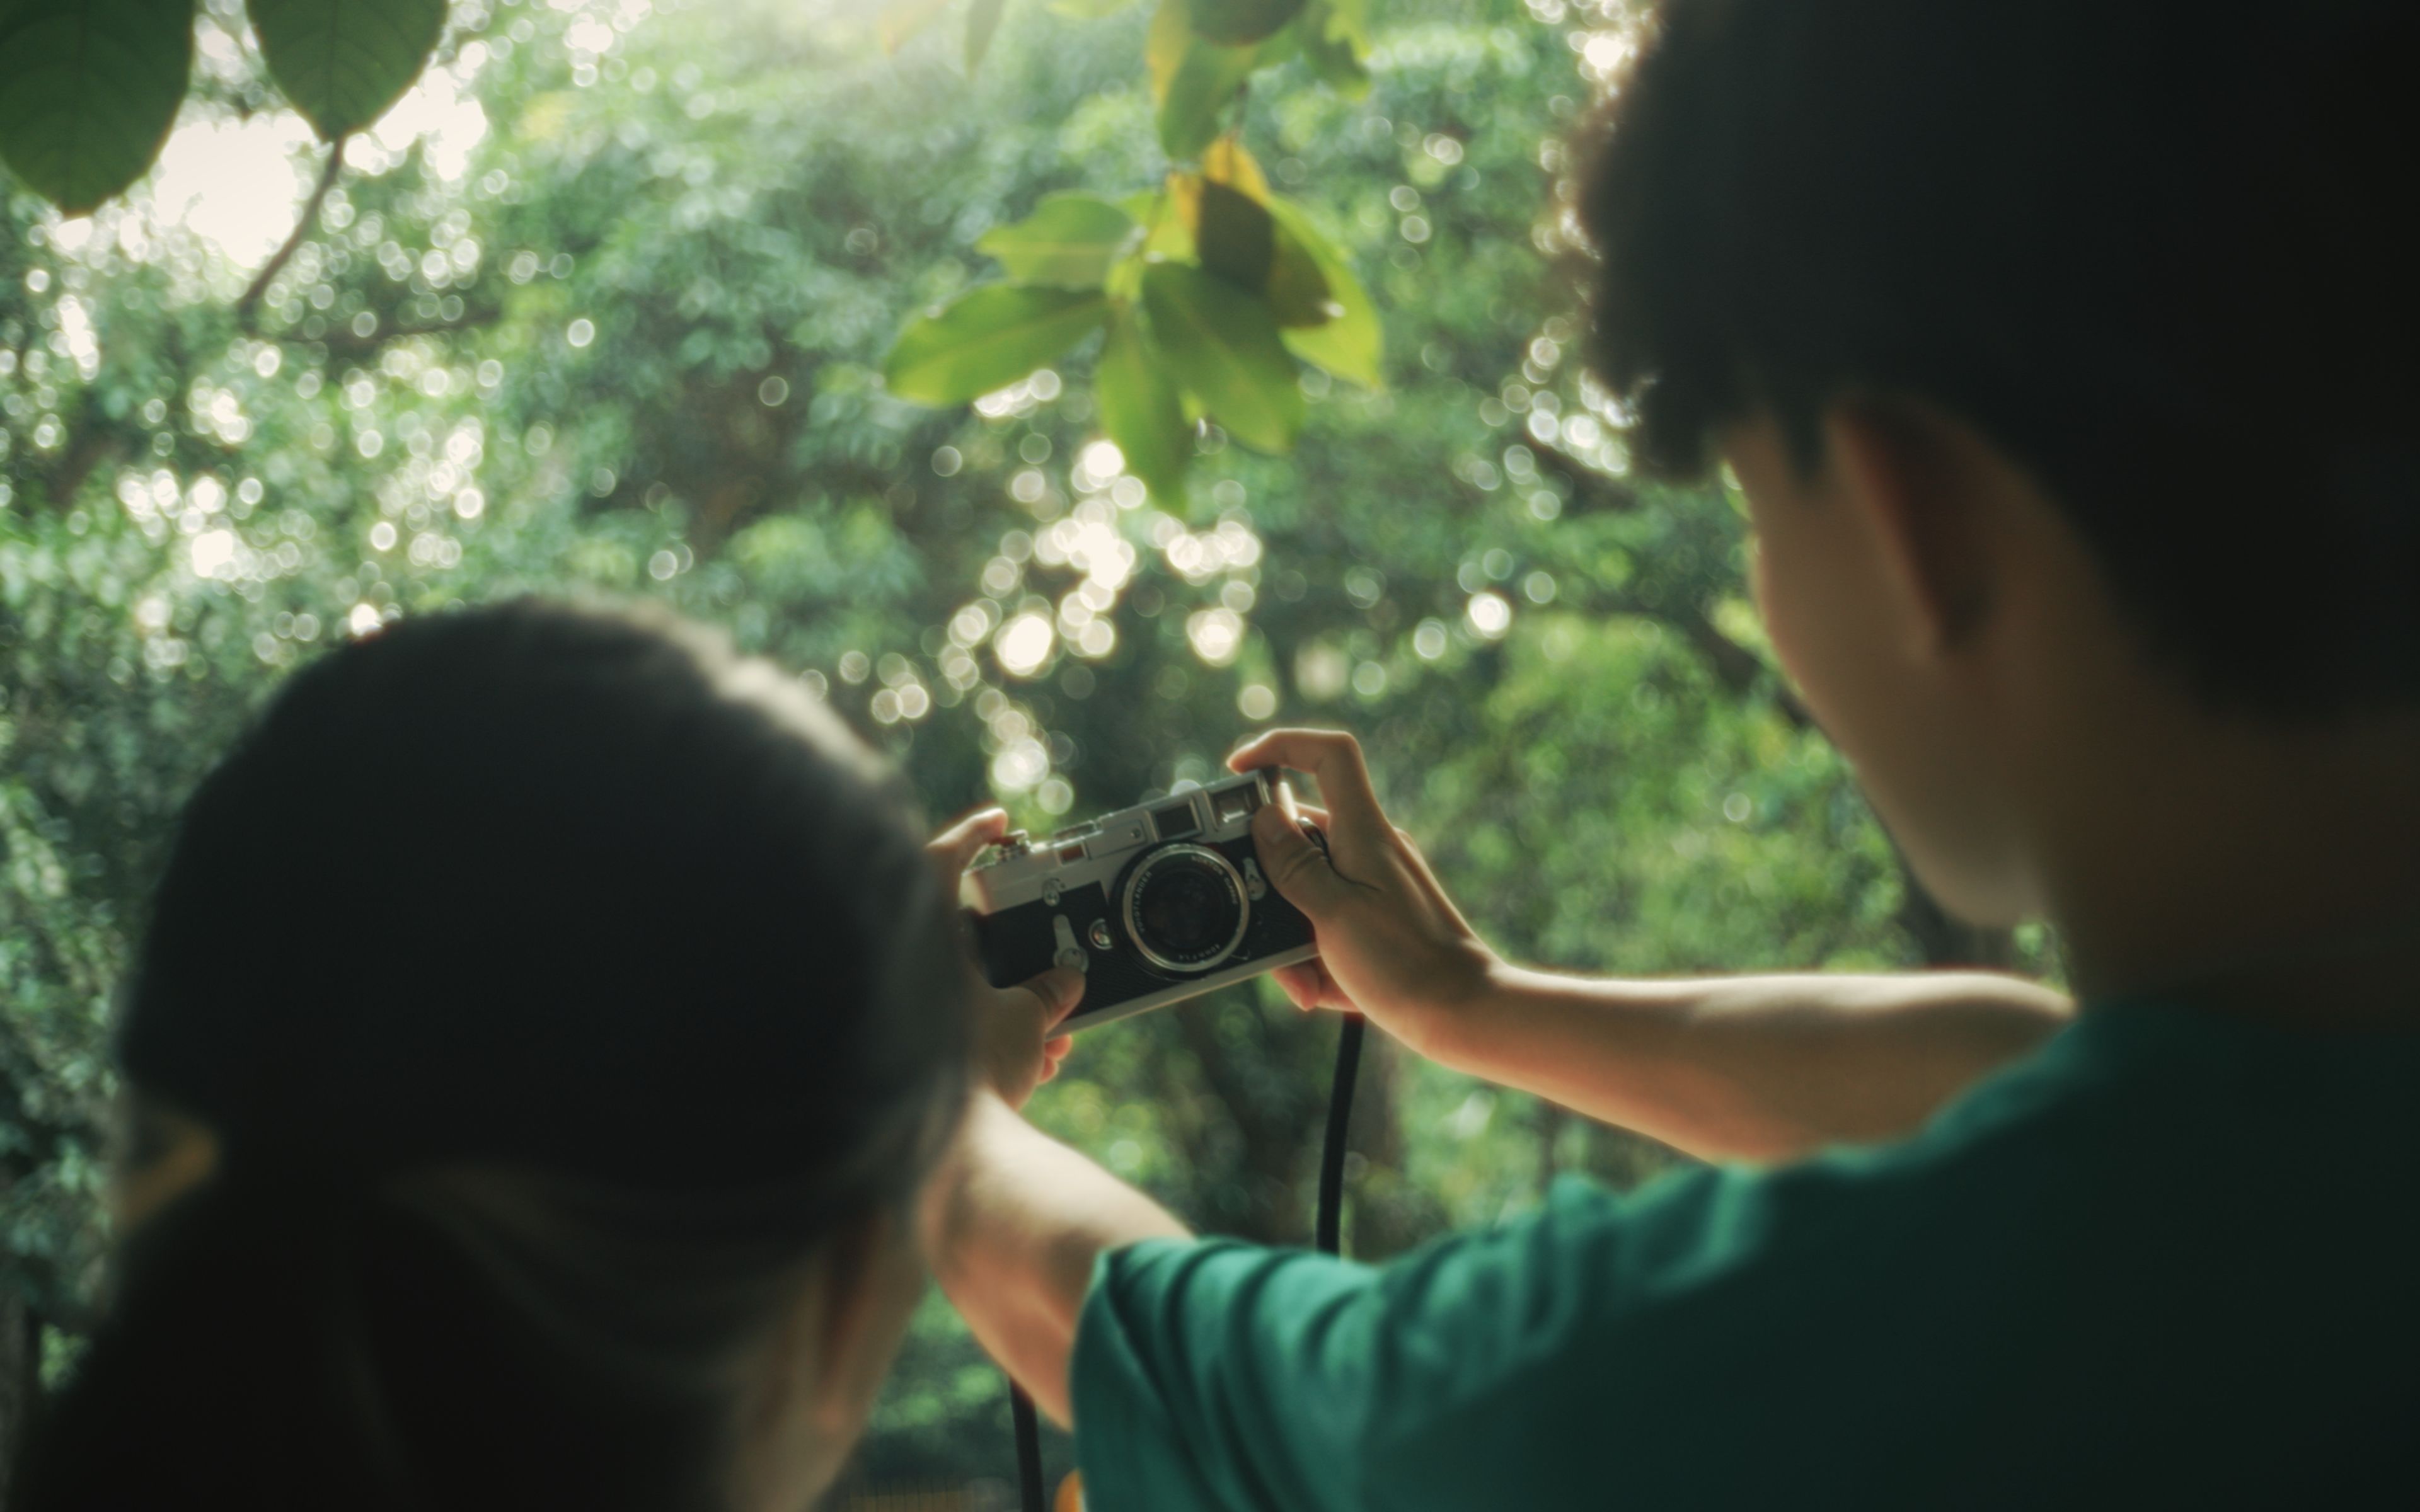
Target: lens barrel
(1185,908)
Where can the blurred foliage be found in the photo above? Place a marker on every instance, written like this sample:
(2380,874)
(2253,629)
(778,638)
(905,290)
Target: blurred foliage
(620,328)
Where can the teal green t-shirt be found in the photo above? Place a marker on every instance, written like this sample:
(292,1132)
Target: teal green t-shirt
(2168,1261)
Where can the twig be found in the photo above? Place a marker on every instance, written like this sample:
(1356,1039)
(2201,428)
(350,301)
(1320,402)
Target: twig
(1590,488)
(248,308)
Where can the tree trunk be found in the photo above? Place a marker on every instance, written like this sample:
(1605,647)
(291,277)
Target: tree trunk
(21,1382)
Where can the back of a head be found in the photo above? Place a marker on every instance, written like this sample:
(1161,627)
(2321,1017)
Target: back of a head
(553,984)
(2153,249)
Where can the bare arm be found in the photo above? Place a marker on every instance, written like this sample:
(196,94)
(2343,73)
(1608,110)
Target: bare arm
(1013,1219)
(1749,1068)
(1015,1222)
(1759,1067)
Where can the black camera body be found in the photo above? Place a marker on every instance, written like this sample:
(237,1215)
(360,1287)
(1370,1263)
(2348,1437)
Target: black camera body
(1155,905)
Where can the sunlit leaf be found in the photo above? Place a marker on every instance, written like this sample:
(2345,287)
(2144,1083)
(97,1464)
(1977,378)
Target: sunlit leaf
(88,89)
(1139,408)
(1351,343)
(1195,80)
(987,340)
(1297,288)
(1069,242)
(1226,162)
(903,19)
(1222,346)
(1168,228)
(1165,45)
(1234,235)
(1089,9)
(343,62)
(983,21)
(1236,23)
(1335,39)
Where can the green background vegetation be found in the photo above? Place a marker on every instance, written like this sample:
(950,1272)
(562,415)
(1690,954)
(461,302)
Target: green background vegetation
(635,346)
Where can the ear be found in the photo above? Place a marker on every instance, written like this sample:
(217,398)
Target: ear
(1917,479)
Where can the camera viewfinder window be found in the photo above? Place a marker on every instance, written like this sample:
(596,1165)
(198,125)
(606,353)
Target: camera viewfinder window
(1176,822)
(1237,805)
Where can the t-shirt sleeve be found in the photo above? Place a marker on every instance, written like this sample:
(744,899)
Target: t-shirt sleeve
(1211,1374)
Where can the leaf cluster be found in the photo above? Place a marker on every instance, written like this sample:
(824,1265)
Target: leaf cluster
(1208,290)
(89,88)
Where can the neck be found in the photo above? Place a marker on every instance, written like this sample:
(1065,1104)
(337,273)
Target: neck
(2262,869)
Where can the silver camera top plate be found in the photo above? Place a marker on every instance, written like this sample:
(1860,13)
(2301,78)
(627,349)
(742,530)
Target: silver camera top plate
(1021,871)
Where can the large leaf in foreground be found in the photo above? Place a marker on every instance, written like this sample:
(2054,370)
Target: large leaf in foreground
(343,62)
(1194,80)
(88,89)
(1069,242)
(1140,409)
(1350,343)
(1237,22)
(1235,235)
(983,22)
(987,340)
(1223,346)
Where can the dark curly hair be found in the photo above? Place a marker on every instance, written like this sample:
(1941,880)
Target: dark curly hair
(2149,247)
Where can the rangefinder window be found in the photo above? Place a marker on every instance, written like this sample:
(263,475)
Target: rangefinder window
(1237,803)
(1154,905)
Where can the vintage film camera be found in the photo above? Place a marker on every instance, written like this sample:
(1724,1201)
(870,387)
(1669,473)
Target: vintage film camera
(1155,905)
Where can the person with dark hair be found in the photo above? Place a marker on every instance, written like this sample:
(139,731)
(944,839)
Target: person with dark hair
(2060,351)
(545,1027)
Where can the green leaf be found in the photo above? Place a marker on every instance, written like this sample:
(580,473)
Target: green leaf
(987,340)
(1224,346)
(1140,409)
(343,62)
(983,21)
(1194,79)
(88,89)
(1069,242)
(1237,23)
(1089,9)
(1298,289)
(1350,344)
(1235,236)
(1335,40)
(903,19)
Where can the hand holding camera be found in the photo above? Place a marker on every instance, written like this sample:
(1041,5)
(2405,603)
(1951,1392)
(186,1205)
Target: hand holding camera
(1161,903)
(1391,944)
(1014,1049)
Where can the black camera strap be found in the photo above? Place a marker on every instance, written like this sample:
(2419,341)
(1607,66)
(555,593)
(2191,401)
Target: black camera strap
(1327,1229)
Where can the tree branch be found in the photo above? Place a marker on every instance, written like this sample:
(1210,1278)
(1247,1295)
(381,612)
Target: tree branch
(1739,670)
(1590,489)
(247,310)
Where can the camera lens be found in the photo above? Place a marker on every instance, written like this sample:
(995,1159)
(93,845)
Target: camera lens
(1186,908)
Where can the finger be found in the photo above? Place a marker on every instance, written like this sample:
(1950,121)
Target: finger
(1057,1048)
(1331,756)
(1300,984)
(1295,867)
(1059,990)
(1331,995)
(954,848)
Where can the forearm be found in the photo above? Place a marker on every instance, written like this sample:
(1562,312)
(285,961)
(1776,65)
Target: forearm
(1017,1221)
(1761,1067)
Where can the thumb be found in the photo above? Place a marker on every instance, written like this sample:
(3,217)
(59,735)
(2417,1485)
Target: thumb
(1296,867)
(1059,989)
